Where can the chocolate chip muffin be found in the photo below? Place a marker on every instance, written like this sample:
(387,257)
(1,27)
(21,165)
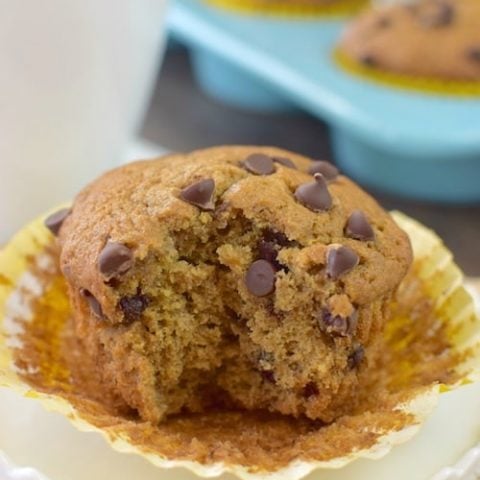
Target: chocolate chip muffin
(239,277)
(428,38)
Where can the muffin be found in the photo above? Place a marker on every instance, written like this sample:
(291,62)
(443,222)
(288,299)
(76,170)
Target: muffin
(246,277)
(433,39)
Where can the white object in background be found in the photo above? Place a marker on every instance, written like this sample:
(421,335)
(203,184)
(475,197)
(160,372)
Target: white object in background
(142,149)
(30,436)
(75,79)
(10,472)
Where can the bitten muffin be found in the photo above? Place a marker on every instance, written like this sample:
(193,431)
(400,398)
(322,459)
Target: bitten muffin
(429,38)
(246,277)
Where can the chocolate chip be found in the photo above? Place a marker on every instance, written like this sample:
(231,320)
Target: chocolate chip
(314,195)
(310,390)
(133,307)
(114,260)
(340,260)
(286,162)
(274,236)
(356,357)
(268,252)
(235,317)
(473,54)
(94,304)
(260,278)
(200,194)
(268,376)
(269,245)
(337,325)
(384,22)
(437,14)
(327,169)
(55,221)
(368,60)
(358,227)
(259,164)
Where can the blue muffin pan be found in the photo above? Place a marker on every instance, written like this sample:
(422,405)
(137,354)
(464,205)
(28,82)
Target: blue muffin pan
(409,143)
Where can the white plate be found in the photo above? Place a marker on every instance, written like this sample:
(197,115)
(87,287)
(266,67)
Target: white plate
(31,436)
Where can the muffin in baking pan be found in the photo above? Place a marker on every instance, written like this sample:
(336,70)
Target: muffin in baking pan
(429,44)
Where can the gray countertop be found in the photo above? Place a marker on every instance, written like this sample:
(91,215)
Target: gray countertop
(182,118)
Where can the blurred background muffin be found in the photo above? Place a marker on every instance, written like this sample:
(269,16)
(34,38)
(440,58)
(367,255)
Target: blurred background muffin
(429,38)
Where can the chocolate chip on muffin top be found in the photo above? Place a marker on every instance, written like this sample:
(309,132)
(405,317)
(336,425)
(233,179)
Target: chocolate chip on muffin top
(200,194)
(55,221)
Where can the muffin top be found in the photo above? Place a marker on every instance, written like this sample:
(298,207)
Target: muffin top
(427,38)
(144,205)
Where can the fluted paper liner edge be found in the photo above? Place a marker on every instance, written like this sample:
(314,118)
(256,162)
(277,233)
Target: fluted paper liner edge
(435,267)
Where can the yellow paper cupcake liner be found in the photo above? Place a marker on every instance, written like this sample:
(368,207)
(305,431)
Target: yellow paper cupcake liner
(27,281)
(293,8)
(433,86)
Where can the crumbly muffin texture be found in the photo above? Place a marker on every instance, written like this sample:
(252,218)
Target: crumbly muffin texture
(239,277)
(426,38)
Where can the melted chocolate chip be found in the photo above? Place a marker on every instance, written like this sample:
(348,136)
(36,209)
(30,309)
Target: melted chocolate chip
(286,162)
(55,221)
(235,317)
(358,227)
(260,278)
(268,252)
(275,236)
(384,22)
(473,54)
(437,14)
(310,390)
(337,325)
(133,307)
(268,247)
(356,357)
(268,376)
(327,169)
(315,195)
(94,304)
(114,260)
(340,260)
(259,164)
(368,60)
(200,194)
